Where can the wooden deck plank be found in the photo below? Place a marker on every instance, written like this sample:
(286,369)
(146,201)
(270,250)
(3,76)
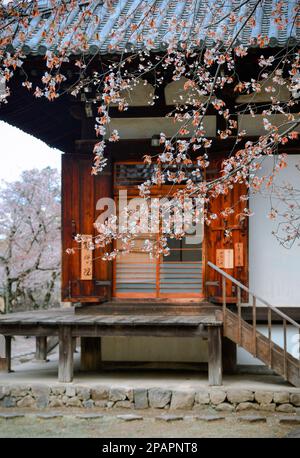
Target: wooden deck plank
(69,317)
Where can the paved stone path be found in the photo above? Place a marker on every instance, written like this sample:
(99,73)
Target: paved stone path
(145,424)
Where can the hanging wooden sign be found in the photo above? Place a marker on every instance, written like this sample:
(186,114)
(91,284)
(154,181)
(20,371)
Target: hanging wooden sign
(238,254)
(224,259)
(86,259)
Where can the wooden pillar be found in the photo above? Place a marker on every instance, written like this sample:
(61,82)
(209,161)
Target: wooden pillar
(2,364)
(214,355)
(66,348)
(90,353)
(74,345)
(41,348)
(228,356)
(7,362)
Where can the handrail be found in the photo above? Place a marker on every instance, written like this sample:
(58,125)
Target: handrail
(247,290)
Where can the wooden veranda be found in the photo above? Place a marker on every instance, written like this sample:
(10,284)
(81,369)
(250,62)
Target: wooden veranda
(121,320)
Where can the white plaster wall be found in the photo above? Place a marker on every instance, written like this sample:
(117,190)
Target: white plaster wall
(281,93)
(143,128)
(165,349)
(139,96)
(175,93)
(274,271)
(255,126)
(159,349)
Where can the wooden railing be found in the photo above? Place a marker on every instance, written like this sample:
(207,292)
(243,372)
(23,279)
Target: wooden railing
(271,309)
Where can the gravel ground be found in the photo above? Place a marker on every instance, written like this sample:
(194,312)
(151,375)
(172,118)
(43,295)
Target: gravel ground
(149,426)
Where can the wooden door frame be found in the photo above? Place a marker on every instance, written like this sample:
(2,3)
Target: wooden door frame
(158,192)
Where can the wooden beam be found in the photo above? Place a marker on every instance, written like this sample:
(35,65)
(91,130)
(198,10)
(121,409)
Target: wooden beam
(66,347)
(90,353)
(214,355)
(112,330)
(41,348)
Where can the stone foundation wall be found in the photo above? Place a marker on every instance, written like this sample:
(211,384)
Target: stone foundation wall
(220,399)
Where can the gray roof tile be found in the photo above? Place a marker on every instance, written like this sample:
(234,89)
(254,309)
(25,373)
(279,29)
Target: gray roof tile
(191,21)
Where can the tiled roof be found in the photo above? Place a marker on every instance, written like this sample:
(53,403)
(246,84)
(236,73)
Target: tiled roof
(196,22)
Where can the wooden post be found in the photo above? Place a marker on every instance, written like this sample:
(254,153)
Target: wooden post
(74,345)
(284,350)
(228,356)
(214,355)
(224,303)
(66,347)
(270,336)
(238,304)
(90,353)
(41,348)
(8,353)
(254,340)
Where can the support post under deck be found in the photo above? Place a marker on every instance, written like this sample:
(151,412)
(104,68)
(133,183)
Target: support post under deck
(41,348)
(7,362)
(214,355)
(66,357)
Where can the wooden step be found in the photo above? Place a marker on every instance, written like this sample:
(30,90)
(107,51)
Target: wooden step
(148,308)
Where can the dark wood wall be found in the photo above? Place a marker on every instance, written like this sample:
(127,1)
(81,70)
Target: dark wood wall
(215,239)
(80,192)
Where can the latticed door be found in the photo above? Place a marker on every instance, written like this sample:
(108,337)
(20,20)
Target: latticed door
(180,273)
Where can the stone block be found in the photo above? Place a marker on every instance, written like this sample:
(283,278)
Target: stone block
(295,399)
(238,395)
(103,403)
(83,393)
(140,397)
(118,394)
(267,407)
(287,408)
(89,416)
(56,402)
(130,417)
(73,402)
(263,397)
(224,407)
(4,391)
(124,404)
(88,404)
(289,420)
(210,418)
(217,396)
(58,390)
(100,393)
(26,401)
(70,391)
(19,391)
(41,394)
(8,401)
(169,418)
(182,400)
(202,397)
(247,406)
(281,397)
(159,398)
